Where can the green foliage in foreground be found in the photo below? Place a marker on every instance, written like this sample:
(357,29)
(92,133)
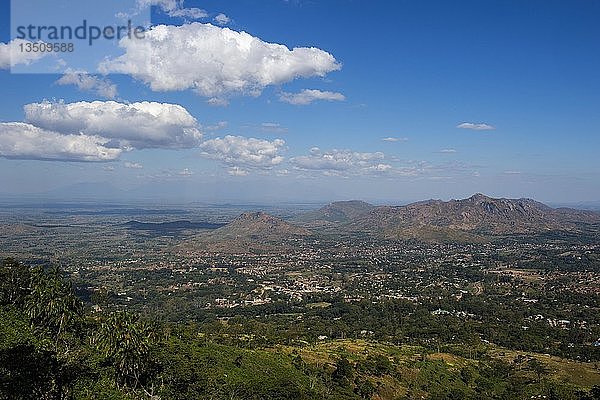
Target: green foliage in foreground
(51,348)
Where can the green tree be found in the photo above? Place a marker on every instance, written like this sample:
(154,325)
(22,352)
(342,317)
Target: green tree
(125,341)
(28,373)
(364,388)
(14,282)
(538,368)
(51,303)
(343,371)
(39,364)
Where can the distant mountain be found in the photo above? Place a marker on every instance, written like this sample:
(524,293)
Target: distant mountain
(334,213)
(470,218)
(250,232)
(259,225)
(475,219)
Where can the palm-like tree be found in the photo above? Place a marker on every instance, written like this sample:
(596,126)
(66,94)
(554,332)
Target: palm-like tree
(125,340)
(51,303)
(14,282)
(53,308)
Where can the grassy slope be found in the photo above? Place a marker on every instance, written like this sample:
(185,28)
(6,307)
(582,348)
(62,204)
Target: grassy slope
(413,366)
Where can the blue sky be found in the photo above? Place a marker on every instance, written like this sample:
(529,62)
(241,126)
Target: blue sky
(410,72)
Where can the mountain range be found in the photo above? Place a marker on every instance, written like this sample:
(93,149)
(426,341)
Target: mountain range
(478,215)
(471,219)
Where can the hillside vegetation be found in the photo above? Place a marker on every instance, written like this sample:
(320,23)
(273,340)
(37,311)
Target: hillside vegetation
(53,346)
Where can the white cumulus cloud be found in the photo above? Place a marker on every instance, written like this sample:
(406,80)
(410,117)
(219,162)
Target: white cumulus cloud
(240,151)
(11,54)
(307,96)
(189,13)
(218,102)
(395,139)
(214,61)
(340,160)
(91,83)
(476,127)
(174,8)
(24,141)
(165,5)
(222,19)
(136,125)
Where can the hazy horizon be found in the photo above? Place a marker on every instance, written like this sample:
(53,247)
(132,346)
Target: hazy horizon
(87,195)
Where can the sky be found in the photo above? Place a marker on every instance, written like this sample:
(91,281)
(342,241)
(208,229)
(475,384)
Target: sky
(294,100)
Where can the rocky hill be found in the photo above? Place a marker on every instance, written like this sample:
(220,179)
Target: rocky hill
(477,215)
(259,225)
(334,213)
